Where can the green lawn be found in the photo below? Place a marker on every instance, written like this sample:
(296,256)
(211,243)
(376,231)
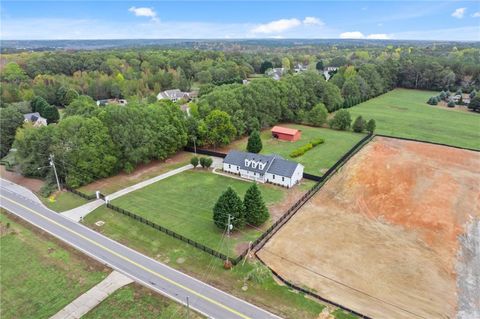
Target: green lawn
(135,301)
(62,201)
(184,204)
(38,277)
(317,160)
(177,254)
(405,113)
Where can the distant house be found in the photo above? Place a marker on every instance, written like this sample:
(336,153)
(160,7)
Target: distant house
(173,95)
(275,73)
(299,68)
(111,101)
(263,168)
(35,119)
(327,72)
(286,134)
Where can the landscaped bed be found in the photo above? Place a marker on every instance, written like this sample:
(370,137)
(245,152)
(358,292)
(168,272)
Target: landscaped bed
(318,159)
(184,203)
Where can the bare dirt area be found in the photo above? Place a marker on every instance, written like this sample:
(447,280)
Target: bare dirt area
(384,235)
(30,183)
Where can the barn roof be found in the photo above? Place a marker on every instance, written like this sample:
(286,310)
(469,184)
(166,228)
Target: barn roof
(284,130)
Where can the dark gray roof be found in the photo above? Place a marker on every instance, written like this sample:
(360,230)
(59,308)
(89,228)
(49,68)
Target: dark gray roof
(32,116)
(273,164)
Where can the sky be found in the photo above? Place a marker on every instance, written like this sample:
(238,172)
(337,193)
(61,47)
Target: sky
(400,20)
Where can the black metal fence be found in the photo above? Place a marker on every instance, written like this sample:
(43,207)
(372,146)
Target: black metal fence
(171,233)
(83,195)
(428,142)
(204,152)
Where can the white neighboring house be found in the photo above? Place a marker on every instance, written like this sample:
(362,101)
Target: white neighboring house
(35,119)
(263,168)
(299,68)
(275,73)
(173,95)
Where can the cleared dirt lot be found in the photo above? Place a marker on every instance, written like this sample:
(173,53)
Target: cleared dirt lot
(381,237)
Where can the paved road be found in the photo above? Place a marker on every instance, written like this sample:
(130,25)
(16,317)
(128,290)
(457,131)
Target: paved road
(205,299)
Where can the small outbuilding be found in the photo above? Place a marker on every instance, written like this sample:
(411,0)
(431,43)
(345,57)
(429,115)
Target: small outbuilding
(286,134)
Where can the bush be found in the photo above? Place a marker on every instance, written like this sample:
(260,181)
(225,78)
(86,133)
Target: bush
(47,189)
(432,100)
(359,124)
(301,150)
(317,141)
(475,103)
(205,162)
(194,161)
(371,125)
(341,120)
(317,116)
(451,104)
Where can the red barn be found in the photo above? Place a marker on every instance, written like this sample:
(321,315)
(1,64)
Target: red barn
(286,134)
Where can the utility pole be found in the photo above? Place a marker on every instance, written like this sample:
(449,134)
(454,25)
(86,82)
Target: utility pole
(194,145)
(229,225)
(52,164)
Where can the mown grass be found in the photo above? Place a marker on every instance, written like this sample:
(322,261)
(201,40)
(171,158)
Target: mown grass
(317,160)
(135,301)
(39,277)
(267,293)
(405,113)
(63,201)
(184,203)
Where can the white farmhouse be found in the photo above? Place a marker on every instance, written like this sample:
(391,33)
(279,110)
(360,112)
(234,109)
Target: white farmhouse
(35,119)
(263,168)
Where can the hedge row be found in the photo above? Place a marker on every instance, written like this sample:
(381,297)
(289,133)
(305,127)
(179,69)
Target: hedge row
(305,148)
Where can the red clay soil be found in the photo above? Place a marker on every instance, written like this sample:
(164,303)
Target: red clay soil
(381,236)
(30,183)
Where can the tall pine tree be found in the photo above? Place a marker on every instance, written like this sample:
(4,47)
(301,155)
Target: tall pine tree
(229,203)
(256,212)
(254,144)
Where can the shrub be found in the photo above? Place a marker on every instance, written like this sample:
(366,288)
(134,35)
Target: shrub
(451,104)
(359,124)
(432,100)
(301,150)
(317,141)
(341,120)
(206,162)
(194,161)
(371,125)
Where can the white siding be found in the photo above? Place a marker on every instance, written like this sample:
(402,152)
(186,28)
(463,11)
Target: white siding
(231,168)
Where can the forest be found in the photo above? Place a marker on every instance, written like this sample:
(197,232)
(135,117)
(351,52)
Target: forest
(91,142)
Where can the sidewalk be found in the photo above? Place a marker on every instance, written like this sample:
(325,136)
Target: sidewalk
(80,212)
(93,297)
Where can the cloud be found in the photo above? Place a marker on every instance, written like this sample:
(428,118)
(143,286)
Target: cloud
(378,36)
(458,13)
(476,14)
(360,35)
(352,35)
(144,12)
(277,26)
(312,21)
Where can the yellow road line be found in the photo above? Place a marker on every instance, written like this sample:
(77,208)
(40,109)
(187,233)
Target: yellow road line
(133,262)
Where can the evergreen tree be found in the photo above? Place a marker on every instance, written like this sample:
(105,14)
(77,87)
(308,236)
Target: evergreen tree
(229,203)
(371,126)
(359,124)
(256,212)
(51,113)
(254,144)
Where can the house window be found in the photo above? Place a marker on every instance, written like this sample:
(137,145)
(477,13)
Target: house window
(283,179)
(273,176)
(229,166)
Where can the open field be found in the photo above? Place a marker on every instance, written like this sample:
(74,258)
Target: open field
(184,204)
(143,172)
(317,160)
(382,236)
(405,113)
(177,254)
(135,301)
(38,276)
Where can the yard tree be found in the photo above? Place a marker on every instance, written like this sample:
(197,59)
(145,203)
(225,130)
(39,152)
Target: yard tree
(265,66)
(194,161)
(51,113)
(319,65)
(218,128)
(475,103)
(317,116)
(370,127)
(359,124)
(229,203)
(10,120)
(341,120)
(256,212)
(473,94)
(254,144)
(82,105)
(38,103)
